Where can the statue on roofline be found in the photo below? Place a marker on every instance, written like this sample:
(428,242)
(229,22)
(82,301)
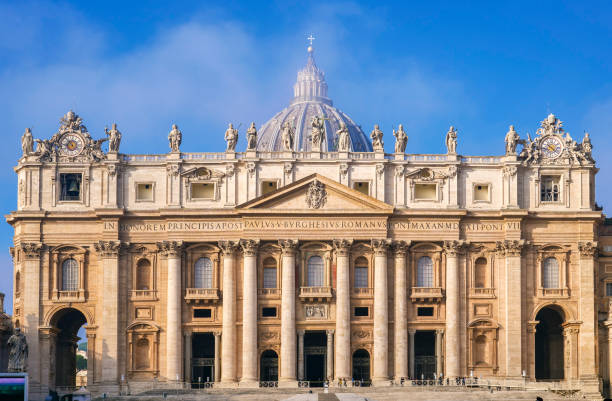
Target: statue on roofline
(231,137)
(377,139)
(512,140)
(252,137)
(287,136)
(343,135)
(451,140)
(401,139)
(27,142)
(318,133)
(114,138)
(175,137)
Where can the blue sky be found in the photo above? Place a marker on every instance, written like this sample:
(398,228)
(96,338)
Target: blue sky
(479,66)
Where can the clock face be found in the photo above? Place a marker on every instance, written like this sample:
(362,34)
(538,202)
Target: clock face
(72,144)
(551,147)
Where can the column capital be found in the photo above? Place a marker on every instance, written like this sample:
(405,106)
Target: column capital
(412,332)
(228,247)
(170,248)
(217,334)
(249,246)
(531,326)
(400,248)
(109,249)
(330,332)
(510,247)
(380,246)
(439,331)
(31,250)
(342,246)
(588,249)
(454,247)
(301,333)
(288,246)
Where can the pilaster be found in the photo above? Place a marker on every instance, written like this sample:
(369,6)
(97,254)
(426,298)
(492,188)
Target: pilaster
(31,308)
(588,312)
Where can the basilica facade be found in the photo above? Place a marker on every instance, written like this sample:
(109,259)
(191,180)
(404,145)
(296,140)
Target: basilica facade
(311,256)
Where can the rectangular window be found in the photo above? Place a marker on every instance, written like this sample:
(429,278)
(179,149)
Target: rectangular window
(268,312)
(144,192)
(362,186)
(202,190)
(425,191)
(268,186)
(481,193)
(362,311)
(361,277)
(70,186)
(425,311)
(202,313)
(549,189)
(608,289)
(269,277)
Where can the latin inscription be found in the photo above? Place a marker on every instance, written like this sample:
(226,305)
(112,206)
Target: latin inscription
(312,224)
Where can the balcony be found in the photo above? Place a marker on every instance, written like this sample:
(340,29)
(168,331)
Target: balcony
(553,292)
(315,293)
(269,293)
(144,295)
(202,295)
(426,294)
(482,292)
(362,292)
(69,296)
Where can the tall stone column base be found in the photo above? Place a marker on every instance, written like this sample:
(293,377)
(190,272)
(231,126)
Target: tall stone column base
(381,382)
(226,384)
(590,387)
(248,384)
(287,384)
(37,391)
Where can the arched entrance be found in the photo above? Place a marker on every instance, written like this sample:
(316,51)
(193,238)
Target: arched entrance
(361,365)
(67,322)
(268,366)
(549,345)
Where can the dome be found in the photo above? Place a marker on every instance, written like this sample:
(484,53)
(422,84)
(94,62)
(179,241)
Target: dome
(310,100)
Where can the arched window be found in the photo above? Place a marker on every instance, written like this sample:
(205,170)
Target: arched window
(70,275)
(480,273)
(17,283)
(143,275)
(141,357)
(269,273)
(315,271)
(550,273)
(361,272)
(424,272)
(480,350)
(203,273)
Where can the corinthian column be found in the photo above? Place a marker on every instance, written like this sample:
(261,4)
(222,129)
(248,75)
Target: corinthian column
(228,345)
(330,353)
(381,313)
(453,342)
(249,313)
(288,333)
(173,250)
(109,327)
(400,343)
(31,304)
(514,352)
(343,311)
(588,312)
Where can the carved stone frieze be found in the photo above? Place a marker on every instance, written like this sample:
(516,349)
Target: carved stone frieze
(173,170)
(31,250)
(588,249)
(316,196)
(288,246)
(228,247)
(343,169)
(380,246)
(454,247)
(342,246)
(362,334)
(288,168)
(108,249)
(380,169)
(400,248)
(427,174)
(510,247)
(509,171)
(269,336)
(230,169)
(250,168)
(249,246)
(201,173)
(315,312)
(170,248)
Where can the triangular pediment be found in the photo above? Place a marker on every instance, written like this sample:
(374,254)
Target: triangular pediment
(316,193)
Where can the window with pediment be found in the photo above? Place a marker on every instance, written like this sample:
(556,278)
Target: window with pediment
(143,269)
(315,271)
(551,274)
(203,273)
(424,272)
(70,275)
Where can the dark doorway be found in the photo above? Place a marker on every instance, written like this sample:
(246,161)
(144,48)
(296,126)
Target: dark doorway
(68,322)
(424,354)
(361,366)
(315,353)
(549,345)
(268,368)
(202,358)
